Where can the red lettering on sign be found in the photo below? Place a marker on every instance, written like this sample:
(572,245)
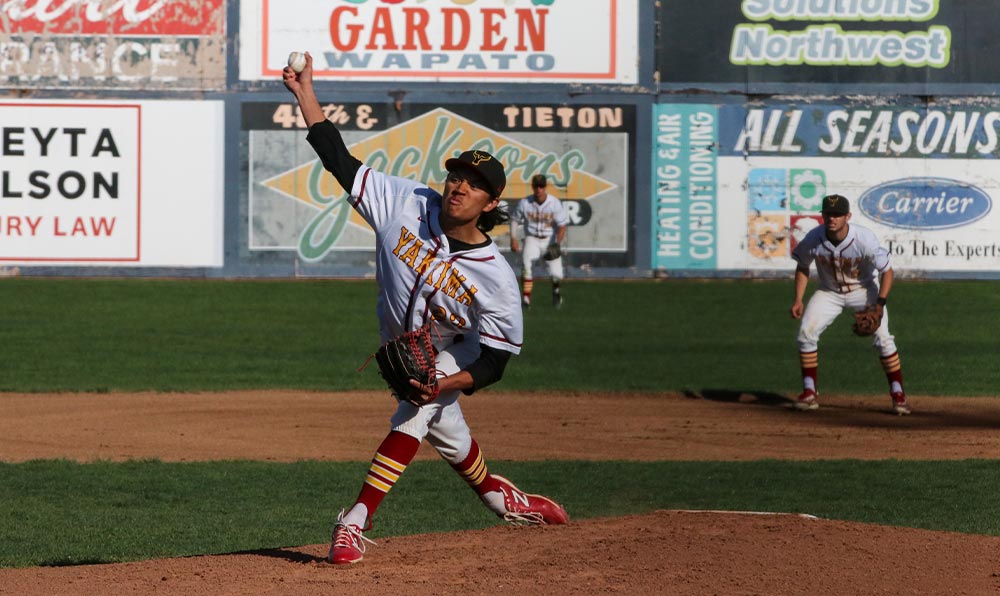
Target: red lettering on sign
(337,26)
(456,36)
(500,30)
(416,26)
(99,226)
(124,17)
(492,18)
(382,27)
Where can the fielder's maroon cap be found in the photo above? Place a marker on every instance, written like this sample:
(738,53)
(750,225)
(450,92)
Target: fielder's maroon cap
(483,164)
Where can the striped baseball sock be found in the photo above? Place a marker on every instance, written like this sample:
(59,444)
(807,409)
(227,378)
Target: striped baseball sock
(393,455)
(473,470)
(893,371)
(809,361)
(529,284)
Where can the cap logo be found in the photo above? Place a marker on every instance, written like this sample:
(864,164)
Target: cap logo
(478,158)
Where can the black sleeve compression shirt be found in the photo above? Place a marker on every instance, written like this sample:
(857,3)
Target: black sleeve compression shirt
(329,145)
(488,368)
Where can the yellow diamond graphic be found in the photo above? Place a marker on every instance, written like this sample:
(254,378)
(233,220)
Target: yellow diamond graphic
(418,148)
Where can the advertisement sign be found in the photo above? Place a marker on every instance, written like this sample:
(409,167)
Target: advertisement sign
(111,184)
(541,41)
(295,206)
(908,44)
(922,177)
(128,44)
(685,209)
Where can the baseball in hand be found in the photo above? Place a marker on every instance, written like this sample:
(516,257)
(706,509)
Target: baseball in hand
(297,60)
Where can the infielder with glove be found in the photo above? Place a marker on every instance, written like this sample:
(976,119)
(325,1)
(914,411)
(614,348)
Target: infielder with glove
(447,305)
(542,220)
(848,260)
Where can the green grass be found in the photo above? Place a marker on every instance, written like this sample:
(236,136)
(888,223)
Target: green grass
(162,335)
(63,513)
(676,335)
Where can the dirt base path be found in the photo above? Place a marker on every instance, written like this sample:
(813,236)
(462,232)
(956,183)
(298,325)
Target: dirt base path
(667,552)
(288,426)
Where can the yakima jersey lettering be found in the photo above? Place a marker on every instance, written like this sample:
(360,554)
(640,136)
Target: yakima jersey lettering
(469,293)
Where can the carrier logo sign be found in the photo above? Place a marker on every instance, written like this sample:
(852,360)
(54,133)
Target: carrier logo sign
(925,203)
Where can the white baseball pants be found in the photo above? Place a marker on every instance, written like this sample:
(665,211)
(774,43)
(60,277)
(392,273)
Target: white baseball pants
(825,306)
(441,422)
(533,249)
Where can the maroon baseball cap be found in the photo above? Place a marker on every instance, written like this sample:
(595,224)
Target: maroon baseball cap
(483,164)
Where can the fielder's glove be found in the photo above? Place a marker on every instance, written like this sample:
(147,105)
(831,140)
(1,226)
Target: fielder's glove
(867,321)
(552,252)
(410,356)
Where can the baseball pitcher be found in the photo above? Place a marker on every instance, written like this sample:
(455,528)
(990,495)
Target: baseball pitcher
(855,272)
(540,218)
(445,295)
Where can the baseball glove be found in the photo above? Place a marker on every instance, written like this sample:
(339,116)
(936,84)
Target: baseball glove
(409,356)
(867,321)
(552,252)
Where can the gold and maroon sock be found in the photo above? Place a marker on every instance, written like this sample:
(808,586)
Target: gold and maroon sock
(393,455)
(473,470)
(893,371)
(529,284)
(809,361)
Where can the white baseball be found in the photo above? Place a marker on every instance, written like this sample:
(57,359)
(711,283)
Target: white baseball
(297,60)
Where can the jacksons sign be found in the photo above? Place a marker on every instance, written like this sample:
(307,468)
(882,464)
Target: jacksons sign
(487,40)
(295,205)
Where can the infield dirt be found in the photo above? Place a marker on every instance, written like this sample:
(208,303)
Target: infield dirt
(666,552)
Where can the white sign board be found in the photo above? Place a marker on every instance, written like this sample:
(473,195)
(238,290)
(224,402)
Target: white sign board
(520,41)
(111,183)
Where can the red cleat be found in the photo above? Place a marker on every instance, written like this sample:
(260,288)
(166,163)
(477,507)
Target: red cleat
(899,404)
(348,543)
(807,401)
(529,510)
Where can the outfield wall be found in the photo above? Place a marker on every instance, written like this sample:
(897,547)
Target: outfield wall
(154,137)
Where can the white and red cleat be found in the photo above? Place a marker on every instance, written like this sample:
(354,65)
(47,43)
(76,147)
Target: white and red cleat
(526,509)
(807,401)
(348,544)
(899,404)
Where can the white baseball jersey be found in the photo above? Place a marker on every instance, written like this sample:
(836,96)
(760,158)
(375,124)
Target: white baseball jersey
(852,264)
(540,220)
(470,293)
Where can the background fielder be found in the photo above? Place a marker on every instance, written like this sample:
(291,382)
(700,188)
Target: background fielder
(542,220)
(435,265)
(848,258)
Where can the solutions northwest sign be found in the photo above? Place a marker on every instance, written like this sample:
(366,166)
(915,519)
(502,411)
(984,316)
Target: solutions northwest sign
(127,44)
(912,45)
(444,40)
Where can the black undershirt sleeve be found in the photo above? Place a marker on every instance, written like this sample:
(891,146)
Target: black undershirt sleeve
(488,368)
(332,151)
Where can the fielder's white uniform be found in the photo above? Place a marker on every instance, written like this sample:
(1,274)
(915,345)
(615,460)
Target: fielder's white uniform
(472,296)
(539,223)
(848,278)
